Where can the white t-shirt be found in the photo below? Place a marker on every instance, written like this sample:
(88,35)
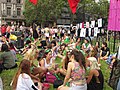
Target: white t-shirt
(25,82)
(88,47)
(56,30)
(48,65)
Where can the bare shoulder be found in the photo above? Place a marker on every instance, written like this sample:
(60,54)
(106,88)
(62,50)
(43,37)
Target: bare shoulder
(70,64)
(95,72)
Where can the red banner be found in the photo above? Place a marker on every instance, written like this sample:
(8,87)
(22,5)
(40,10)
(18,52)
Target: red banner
(34,1)
(73,5)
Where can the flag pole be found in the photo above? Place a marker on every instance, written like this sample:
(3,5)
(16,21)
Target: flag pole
(114,41)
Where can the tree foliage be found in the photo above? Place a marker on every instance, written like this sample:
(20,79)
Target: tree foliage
(45,10)
(50,10)
(94,9)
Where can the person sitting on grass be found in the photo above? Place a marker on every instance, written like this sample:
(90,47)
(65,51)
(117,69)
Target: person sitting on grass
(86,46)
(78,44)
(97,48)
(75,71)
(13,50)
(6,58)
(65,62)
(95,79)
(23,80)
(62,50)
(48,62)
(105,51)
(112,57)
(92,53)
(32,55)
(54,49)
(26,47)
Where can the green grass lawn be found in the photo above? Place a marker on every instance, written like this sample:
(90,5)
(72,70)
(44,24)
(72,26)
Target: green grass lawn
(8,75)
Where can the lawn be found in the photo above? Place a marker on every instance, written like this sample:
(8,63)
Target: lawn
(8,75)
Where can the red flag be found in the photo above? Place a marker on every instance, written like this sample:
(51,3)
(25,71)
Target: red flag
(34,1)
(73,5)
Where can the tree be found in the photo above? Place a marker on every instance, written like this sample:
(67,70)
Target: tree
(45,10)
(93,9)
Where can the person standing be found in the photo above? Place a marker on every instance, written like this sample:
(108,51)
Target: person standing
(35,33)
(3,30)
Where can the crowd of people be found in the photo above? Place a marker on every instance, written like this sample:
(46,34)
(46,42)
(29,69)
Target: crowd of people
(79,60)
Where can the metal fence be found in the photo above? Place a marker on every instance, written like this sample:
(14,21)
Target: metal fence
(112,39)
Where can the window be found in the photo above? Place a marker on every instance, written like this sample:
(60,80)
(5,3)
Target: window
(8,0)
(18,11)
(3,12)
(9,11)
(18,1)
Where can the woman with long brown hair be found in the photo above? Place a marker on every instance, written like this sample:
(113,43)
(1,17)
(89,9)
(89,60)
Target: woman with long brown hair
(22,79)
(65,61)
(75,71)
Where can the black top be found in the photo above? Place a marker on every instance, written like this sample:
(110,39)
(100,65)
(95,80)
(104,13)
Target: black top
(93,85)
(105,50)
(73,31)
(35,34)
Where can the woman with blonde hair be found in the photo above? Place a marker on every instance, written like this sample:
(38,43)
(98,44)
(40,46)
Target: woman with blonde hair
(31,55)
(95,78)
(22,79)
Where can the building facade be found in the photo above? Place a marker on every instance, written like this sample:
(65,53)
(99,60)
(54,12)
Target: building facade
(65,18)
(11,11)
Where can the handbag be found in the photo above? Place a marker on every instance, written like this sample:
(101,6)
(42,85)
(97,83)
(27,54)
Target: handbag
(50,78)
(46,86)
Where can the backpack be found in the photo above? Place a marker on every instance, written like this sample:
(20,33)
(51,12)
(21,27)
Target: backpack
(115,74)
